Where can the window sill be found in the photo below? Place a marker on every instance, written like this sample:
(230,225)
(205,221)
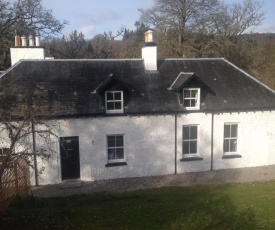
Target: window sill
(231,156)
(114,164)
(191,108)
(114,111)
(191,159)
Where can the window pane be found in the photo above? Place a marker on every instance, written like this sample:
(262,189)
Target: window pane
(118,96)
(193,132)
(119,153)
(233,145)
(226,131)
(194,93)
(117,105)
(186,135)
(111,141)
(119,141)
(193,146)
(193,102)
(186,93)
(185,147)
(186,103)
(234,130)
(110,96)
(110,106)
(111,154)
(226,145)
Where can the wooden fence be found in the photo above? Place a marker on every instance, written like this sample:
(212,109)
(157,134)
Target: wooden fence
(15,182)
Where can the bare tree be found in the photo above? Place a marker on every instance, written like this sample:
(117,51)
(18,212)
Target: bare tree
(26,17)
(22,124)
(177,15)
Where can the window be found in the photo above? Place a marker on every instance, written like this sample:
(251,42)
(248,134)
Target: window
(189,140)
(191,98)
(115,147)
(230,138)
(114,101)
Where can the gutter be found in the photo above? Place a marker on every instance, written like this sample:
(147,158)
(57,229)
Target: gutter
(212,139)
(176,143)
(34,155)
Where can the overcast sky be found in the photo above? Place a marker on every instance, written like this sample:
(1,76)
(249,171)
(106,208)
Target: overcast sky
(94,17)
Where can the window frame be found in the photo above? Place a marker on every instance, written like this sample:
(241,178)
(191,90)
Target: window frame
(114,101)
(188,155)
(115,147)
(230,138)
(198,98)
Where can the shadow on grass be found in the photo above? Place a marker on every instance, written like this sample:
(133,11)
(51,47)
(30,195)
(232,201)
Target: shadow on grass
(199,207)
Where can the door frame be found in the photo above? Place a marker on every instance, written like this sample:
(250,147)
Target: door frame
(71,138)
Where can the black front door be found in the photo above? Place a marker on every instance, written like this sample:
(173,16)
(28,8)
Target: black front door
(69,153)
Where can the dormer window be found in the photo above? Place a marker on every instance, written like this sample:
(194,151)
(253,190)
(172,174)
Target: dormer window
(114,101)
(191,98)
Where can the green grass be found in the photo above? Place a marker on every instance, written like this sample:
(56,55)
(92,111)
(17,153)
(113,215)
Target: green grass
(229,206)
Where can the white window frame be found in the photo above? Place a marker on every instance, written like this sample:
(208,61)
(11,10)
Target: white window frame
(185,155)
(114,101)
(115,147)
(230,138)
(198,98)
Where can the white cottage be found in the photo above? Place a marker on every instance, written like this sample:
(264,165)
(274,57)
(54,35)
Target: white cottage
(122,118)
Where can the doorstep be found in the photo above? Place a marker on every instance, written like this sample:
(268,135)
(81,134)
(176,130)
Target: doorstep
(76,183)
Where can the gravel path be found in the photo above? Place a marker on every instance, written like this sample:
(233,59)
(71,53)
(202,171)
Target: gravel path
(265,173)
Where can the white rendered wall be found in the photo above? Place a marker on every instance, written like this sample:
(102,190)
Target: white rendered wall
(256,141)
(149,144)
(203,121)
(26,53)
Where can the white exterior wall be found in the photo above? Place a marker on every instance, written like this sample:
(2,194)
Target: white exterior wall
(149,144)
(203,121)
(26,53)
(256,140)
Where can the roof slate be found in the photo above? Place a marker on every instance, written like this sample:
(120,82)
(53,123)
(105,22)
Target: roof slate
(66,86)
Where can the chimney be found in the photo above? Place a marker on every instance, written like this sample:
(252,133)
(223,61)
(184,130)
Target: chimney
(23,51)
(149,52)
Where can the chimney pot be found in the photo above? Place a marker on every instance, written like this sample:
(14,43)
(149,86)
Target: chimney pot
(149,36)
(31,41)
(37,40)
(17,40)
(24,40)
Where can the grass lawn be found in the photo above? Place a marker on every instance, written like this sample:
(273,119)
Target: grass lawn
(229,206)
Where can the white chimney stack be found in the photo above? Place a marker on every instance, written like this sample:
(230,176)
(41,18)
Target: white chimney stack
(23,51)
(149,52)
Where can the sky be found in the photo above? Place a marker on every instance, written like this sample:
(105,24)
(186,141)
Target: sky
(93,17)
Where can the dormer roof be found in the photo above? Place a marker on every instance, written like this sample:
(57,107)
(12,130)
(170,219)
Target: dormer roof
(108,80)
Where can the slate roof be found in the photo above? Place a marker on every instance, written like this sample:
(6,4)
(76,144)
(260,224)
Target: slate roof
(68,87)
